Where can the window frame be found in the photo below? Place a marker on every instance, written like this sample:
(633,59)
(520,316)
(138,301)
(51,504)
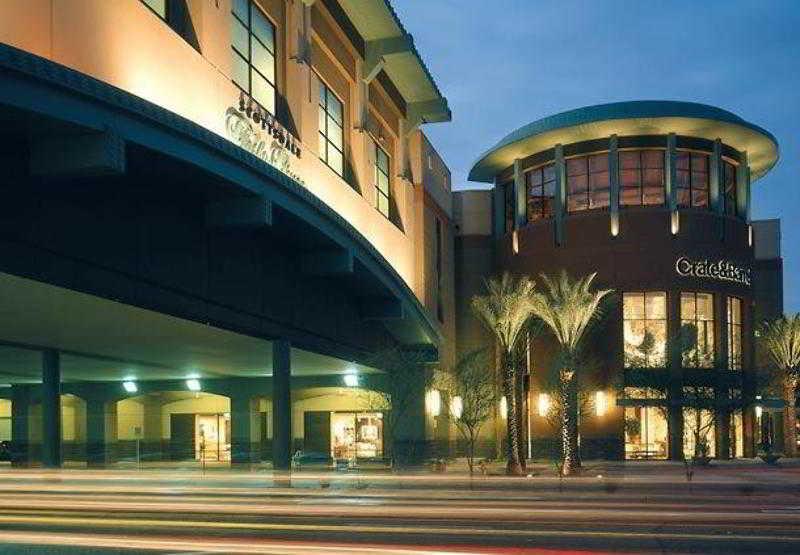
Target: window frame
(692,187)
(590,190)
(387,195)
(323,136)
(735,352)
(248,57)
(641,182)
(730,201)
(546,211)
(709,329)
(655,363)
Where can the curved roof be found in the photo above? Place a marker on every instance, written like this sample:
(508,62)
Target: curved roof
(641,117)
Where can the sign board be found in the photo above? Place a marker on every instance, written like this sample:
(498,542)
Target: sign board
(720,270)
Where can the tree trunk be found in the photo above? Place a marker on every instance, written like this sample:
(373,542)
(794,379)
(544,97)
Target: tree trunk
(512,432)
(789,420)
(569,423)
(519,391)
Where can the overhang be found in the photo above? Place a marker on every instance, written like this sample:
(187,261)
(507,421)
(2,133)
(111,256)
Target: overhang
(643,117)
(387,43)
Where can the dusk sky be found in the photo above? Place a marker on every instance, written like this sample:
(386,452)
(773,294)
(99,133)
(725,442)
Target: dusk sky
(505,63)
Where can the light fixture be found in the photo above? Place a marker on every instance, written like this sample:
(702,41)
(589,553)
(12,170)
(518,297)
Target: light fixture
(675,222)
(350,380)
(456,407)
(750,234)
(130,386)
(759,411)
(600,404)
(503,408)
(543,404)
(433,402)
(614,225)
(515,241)
(193,384)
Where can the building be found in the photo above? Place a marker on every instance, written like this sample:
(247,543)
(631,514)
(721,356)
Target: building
(654,197)
(215,215)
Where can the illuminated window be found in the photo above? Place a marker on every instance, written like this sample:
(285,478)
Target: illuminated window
(729,188)
(587,182)
(382,192)
(331,135)
(641,177)
(646,435)
(645,329)
(158,6)
(697,330)
(698,432)
(692,176)
(734,311)
(541,184)
(253,45)
(644,393)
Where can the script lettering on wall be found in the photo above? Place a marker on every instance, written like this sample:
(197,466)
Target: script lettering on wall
(720,270)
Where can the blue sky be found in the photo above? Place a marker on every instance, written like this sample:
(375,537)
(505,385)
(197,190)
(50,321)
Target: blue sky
(504,63)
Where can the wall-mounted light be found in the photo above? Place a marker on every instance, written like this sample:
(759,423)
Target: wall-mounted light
(600,403)
(515,241)
(614,225)
(675,222)
(350,380)
(130,386)
(456,407)
(759,411)
(193,384)
(750,234)
(543,405)
(433,402)
(503,408)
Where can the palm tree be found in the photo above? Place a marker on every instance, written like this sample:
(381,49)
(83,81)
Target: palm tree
(567,307)
(781,338)
(505,310)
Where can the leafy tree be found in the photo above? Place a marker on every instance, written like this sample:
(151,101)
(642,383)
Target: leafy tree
(505,310)
(567,307)
(781,338)
(472,382)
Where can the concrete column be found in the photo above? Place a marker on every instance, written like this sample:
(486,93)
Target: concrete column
(715,174)
(51,408)
(675,372)
(743,187)
(96,447)
(613,174)
(20,442)
(241,429)
(520,196)
(561,194)
(722,424)
(499,209)
(671,182)
(281,404)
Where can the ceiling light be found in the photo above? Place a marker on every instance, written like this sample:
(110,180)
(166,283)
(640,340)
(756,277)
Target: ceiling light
(130,387)
(350,380)
(193,384)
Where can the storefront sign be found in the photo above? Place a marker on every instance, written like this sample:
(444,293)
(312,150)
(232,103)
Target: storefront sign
(722,270)
(259,133)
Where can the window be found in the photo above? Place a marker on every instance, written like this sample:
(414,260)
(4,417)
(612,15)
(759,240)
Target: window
(331,134)
(729,188)
(645,329)
(541,185)
(253,44)
(587,182)
(697,330)
(698,427)
(691,170)
(382,181)
(734,311)
(641,177)
(646,435)
(158,6)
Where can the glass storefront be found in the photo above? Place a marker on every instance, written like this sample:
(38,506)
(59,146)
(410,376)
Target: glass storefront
(645,329)
(698,432)
(356,435)
(212,437)
(646,435)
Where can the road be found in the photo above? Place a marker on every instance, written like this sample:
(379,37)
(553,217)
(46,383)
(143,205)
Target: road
(726,510)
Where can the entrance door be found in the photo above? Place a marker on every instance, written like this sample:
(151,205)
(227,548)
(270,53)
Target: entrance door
(317,432)
(182,435)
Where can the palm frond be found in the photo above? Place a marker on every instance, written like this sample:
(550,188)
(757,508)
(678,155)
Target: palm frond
(506,307)
(781,337)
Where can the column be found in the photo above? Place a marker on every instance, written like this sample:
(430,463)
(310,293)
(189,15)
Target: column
(561,195)
(51,409)
(241,429)
(498,209)
(96,447)
(20,444)
(520,196)
(671,182)
(281,404)
(722,422)
(675,373)
(613,173)
(716,188)
(743,187)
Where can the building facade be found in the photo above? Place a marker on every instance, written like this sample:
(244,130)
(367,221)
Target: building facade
(215,215)
(653,197)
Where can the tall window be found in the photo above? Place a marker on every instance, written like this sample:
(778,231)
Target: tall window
(645,329)
(646,432)
(729,188)
(253,43)
(587,182)
(734,310)
(641,177)
(541,184)
(692,176)
(331,135)
(697,330)
(382,181)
